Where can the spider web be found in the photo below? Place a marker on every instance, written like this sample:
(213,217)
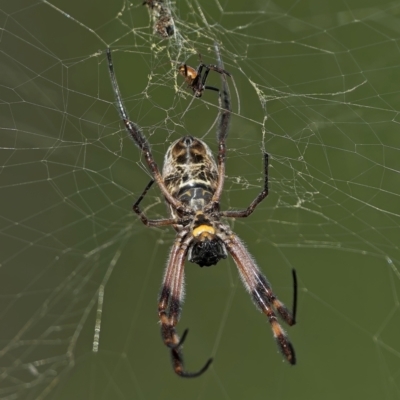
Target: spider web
(317,87)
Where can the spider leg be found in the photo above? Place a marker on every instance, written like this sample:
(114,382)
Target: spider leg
(263,296)
(224,72)
(142,216)
(211,88)
(203,80)
(137,135)
(169,305)
(294,307)
(222,133)
(200,68)
(261,196)
(208,69)
(215,68)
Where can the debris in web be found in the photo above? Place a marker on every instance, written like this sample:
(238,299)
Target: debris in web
(163,23)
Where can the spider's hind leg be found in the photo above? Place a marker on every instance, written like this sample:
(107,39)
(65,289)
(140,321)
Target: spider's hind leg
(263,296)
(169,306)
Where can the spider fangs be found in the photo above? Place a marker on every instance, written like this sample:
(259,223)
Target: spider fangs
(192,183)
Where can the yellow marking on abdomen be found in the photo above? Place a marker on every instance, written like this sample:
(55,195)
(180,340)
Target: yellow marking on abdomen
(203,229)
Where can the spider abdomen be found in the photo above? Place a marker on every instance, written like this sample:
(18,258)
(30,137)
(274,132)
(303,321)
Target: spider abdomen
(190,172)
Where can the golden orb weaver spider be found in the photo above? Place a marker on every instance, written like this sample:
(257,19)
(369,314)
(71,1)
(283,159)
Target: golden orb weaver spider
(191,183)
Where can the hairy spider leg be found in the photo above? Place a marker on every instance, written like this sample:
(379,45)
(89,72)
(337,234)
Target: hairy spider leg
(169,305)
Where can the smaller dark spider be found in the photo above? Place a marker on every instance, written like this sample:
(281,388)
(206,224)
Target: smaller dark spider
(196,81)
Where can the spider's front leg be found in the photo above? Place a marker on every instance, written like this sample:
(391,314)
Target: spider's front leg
(261,196)
(142,216)
(140,140)
(169,305)
(222,131)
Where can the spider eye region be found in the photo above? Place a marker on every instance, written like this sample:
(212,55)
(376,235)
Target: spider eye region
(207,249)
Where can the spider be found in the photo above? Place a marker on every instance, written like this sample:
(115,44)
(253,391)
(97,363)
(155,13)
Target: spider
(196,81)
(192,182)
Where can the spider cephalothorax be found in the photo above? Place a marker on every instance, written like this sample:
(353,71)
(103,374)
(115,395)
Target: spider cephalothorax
(191,183)
(207,248)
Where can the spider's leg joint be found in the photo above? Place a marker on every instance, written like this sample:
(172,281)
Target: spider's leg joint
(183,374)
(180,343)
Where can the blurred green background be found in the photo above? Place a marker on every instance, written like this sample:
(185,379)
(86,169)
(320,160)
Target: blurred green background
(317,87)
